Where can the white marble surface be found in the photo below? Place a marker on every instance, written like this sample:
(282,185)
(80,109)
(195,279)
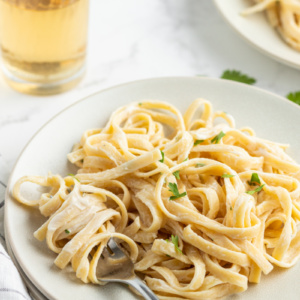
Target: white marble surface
(137,39)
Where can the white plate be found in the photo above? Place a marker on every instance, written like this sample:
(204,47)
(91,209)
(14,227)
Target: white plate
(271,117)
(256,30)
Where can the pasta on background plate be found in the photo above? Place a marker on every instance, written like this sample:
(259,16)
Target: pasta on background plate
(202,208)
(284,15)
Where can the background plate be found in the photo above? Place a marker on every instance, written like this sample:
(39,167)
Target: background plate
(271,116)
(256,30)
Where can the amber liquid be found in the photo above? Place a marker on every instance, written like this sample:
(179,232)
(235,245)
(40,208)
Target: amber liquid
(43,42)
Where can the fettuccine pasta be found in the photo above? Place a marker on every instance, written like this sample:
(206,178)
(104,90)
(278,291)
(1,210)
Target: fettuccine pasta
(202,208)
(284,15)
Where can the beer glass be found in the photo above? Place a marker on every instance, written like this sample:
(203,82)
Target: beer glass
(43,44)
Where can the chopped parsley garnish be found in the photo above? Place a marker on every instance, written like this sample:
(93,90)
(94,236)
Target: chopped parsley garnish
(174,189)
(174,240)
(238,76)
(186,159)
(74,177)
(197,142)
(162,156)
(217,138)
(227,175)
(256,190)
(176,174)
(67,231)
(140,104)
(294,97)
(199,165)
(254,179)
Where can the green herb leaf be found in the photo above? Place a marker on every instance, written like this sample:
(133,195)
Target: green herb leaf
(199,165)
(74,177)
(294,97)
(238,76)
(67,231)
(174,240)
(176,174)
(256,190)
(254,179)
(178,196)
(186,159)
(140,104)
(227,175)
(217,138)
(174,189)
(162,156)
(197,142)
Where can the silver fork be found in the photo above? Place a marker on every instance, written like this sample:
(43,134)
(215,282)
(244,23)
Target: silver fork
(116,266)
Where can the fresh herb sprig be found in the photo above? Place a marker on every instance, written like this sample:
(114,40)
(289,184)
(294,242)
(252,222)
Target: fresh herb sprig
(162,156)
(227,175)
(174,240)
(238,76)
(256,190)
(197,142)
(294,97)
(174,189)
(176,174)
(254,179)
(217,138)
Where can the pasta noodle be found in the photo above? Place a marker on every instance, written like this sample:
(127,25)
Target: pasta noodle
(201,207)
(284,15)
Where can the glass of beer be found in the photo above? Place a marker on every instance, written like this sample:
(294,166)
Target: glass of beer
(43,44)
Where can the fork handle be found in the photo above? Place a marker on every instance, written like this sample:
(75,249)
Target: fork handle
(142,288)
